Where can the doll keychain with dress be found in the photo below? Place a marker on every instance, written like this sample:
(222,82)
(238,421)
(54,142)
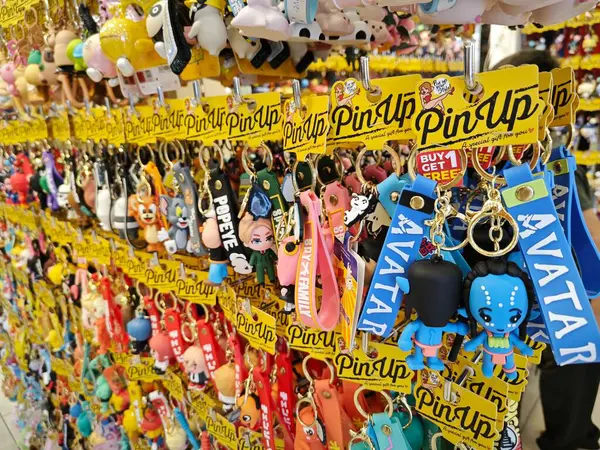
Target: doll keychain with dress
(498,296)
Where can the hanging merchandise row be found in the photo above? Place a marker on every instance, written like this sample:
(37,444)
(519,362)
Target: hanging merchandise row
(369,269)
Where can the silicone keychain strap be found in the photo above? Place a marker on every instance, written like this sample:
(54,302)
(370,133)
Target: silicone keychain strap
(568,207)
(337,201)
(269,182)
(314,258)
(563,301)
(400,249)
(390,190)
(301,11)
(330,409)
(393,436)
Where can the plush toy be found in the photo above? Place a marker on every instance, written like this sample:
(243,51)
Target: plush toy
(98,64)
(261,19)
(208,26)
(498,296)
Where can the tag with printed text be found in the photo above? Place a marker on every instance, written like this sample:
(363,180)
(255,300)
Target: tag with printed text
(305,129)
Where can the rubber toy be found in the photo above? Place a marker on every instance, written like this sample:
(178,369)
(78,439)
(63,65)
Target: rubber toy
(498,296)
(433,287)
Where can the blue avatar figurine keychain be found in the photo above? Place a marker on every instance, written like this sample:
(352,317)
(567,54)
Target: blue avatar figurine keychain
(433,287)
(498,295)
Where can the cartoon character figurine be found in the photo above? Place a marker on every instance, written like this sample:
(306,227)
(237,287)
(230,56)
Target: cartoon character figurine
(195,366)
(498,296)
(211,238)
(145,211)
(161,351)
(177,213)
(257,235)
(433,289)
(139,330)
(53,180)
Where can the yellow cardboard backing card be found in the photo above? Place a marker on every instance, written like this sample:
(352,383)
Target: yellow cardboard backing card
(258,328)
(90,125)
(547,115)
(193,288)
(222,430)
(563,96)
(507,111)
(465,417)
(357,116)
(59,126)
(257,119)
(320,344)
(385,369)
(115,128)
(150,123)
(305,129)
(207,122)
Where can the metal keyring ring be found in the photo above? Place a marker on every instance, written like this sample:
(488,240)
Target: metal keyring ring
(547,152)
(309,378)
(389,407)
(313,183)
(249,165)
(201,161)
(311,402)
(387,148)
(163,150)
(483,214)
(339,167)
(500,180)
(460,216)
(537,148)
(412,166)
(408,409)
(139,158)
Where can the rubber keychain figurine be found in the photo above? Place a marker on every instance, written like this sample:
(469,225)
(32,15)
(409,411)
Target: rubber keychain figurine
(256,233)
(433,289)
(498,296)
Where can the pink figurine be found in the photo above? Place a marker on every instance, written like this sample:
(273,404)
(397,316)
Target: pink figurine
(161,351)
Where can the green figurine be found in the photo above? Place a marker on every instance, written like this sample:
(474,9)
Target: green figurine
(257,235)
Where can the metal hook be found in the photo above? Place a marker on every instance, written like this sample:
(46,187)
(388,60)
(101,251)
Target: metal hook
(108,107)
(472,85)
(70,107)
(197,96)
(297,94)
(132,109)
(365,77)
(237,90)
(161,97)
(88,106)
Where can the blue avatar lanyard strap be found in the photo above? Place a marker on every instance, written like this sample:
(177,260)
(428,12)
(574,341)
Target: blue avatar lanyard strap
(401,247)
(562,298)
(568,208)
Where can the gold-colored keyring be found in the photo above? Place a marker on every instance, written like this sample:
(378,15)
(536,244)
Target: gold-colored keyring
(386,148)
(203,163)
(138,150)
(339,166)
(404,403)
(499,180)
(163,150)
(571,138)
(389,407)
(313,184)
(432,234)
(308,401)
(329,366)
(547,143)
(484,214)
(537,149)
(412,166)
(249,165)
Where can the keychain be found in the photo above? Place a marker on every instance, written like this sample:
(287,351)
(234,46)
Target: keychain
(498,296)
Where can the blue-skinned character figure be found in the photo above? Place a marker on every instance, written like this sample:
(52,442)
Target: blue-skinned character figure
(498,295)
(433,290)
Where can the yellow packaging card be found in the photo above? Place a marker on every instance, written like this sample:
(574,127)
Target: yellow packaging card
(206,123)
(464,417)
(252,440)
(193,288)
(115,127)
(59,126)
(563,96)
(385,369)
(155,122)
(517,386)
(255,120)
(320,344)
(507,112)
(357,116)
(90,126)
(222,430)
(174,384)
(493,389)
(202,65)
(305,129)
(547,115)
(258,328)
